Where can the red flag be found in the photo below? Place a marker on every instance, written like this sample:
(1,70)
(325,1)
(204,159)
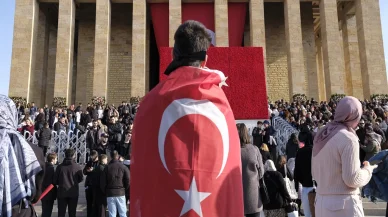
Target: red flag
(186,152)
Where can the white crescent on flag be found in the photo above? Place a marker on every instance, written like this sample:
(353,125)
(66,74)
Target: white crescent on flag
(182,107)
(213,35)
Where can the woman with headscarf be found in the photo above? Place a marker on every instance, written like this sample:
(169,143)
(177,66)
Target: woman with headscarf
(21,174)
(277,191)
(252,172)
(335,164)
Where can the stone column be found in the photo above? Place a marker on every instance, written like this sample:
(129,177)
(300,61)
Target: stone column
(221,23)
(257,23)
(65,51)
(138,83)
(333,58)
(321,73)
(23,49)
(295,56)
(175,18)
(102,48)
(352,56)
(370,42)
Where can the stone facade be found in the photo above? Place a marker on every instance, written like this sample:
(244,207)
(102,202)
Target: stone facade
(76,50)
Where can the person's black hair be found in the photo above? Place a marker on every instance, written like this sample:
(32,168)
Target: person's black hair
(69,153)
(191,37)
(46,124)
(93,155)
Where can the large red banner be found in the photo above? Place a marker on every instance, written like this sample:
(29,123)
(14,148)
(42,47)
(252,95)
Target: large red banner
(202,12)
(244,67)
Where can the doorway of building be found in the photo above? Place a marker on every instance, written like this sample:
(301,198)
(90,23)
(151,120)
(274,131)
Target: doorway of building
(154,60)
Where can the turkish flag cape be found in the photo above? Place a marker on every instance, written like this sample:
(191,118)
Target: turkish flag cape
(186,157)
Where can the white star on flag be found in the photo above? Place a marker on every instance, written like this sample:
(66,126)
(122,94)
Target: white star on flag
(192,199)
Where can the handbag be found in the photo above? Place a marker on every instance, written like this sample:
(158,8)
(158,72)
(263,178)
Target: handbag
(292,210)
(311,197)
(290,185)
(263,192)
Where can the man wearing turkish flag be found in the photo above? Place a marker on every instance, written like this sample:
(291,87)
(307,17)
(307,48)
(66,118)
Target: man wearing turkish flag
(186,151)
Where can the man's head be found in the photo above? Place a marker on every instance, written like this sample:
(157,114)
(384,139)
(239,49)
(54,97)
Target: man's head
(112,119)
(52,158)
(46,125)
(62,120)
(192,40)
(95,124)
(259,124)
(361,124)
(70,153)
(266,124)
(103,159)
(104,138)
(115,155)
(94,156)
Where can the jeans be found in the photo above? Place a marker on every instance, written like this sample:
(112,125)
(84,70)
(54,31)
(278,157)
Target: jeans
(117,204)
(305,201)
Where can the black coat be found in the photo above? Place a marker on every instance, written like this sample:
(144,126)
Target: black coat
(302,171)
(115,180)
(92,139)
(257,137)
(44,137)
(67,176)
(291,149)
(90,176)
(277,190)
(47,181)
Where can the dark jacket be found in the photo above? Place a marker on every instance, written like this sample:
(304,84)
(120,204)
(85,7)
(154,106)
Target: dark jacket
(91,139)
(277,190)
(257,137)
(302,171)
(291,149)
(90,176)
(38,177)
(47,181)
(102,149)
(67,176)
(58,127)
(115,180)
(115,132)
(44,137)
(100,195)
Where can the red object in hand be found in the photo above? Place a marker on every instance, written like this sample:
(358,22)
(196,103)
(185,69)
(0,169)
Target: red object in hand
(45,192)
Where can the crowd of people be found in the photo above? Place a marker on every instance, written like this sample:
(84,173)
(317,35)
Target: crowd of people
(309,118)
(107,128)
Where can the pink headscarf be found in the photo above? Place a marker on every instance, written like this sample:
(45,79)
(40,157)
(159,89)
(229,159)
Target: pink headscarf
(347,115)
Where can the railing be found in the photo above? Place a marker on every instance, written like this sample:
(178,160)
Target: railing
(62,141)
(283,132)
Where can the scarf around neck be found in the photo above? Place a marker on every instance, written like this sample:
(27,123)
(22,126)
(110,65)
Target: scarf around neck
(18,163)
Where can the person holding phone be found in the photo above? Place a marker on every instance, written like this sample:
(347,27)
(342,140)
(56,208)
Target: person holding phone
(335,164)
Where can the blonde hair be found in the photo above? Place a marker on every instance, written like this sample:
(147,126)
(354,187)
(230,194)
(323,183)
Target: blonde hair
(264,147)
